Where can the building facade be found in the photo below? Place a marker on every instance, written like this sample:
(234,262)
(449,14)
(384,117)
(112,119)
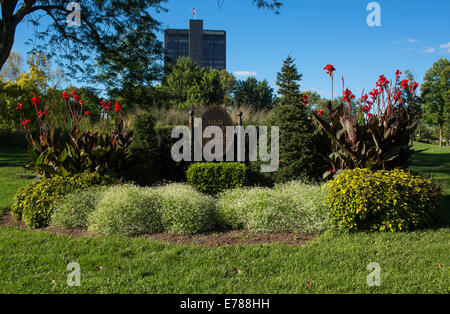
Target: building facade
(207,48)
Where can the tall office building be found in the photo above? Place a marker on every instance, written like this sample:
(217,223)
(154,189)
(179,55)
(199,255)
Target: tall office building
(207,48)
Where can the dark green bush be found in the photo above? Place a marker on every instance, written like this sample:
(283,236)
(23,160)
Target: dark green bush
(362,200)
(213,178)
(150,154)
(299,144)
(34,203)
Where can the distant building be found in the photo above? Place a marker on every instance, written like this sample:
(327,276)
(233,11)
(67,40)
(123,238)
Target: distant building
(207,48)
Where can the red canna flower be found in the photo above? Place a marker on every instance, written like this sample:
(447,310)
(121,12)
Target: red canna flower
(81,102)
(404,84)
(348,96)
(65,96)
(305,99)
(86,113)
(74,92)
(35,101)
(25,122)
(398,73)
(76,97)
(118,107)
(19,107)
(364,98)
(370,115)
(382,81)
(329,68)
(320,112)
(413,87)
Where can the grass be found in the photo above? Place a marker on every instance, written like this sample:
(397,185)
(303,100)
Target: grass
(35,262)
(335,262)
(10,183)
(435,163)
(13,158)
(433,156)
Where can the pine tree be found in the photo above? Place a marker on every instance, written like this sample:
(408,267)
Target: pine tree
(288,81)
(298,140)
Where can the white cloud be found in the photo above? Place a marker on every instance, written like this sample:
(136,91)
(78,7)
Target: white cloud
(245,73)
(411,40)
(429,50)
(445,46)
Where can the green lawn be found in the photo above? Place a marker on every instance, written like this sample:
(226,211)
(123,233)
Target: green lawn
(35,262)
(411,262)
(13,158)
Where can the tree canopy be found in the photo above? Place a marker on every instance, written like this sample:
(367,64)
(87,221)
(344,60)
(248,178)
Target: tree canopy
(436,95)
(115,39)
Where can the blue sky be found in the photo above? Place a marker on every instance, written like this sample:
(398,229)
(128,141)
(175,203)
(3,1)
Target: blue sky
(413,34)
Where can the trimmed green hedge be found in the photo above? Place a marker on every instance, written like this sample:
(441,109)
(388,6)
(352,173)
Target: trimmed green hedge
(34,203)
(213,178)
(363,200)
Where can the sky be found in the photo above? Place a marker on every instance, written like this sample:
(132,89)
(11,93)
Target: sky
(413,35)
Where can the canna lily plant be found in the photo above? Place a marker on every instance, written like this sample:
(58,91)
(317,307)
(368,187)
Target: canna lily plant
(376,135)
(80,150)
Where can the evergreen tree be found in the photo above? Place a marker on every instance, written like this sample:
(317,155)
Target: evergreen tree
(299,141)
(288,81)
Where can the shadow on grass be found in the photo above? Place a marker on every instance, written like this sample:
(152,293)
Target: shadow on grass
(13,158)
(427,159)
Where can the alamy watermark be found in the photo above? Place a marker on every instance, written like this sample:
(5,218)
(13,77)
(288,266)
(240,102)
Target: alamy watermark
(74,17)
(374,18)
(213,150)
(374,278)
(74,278)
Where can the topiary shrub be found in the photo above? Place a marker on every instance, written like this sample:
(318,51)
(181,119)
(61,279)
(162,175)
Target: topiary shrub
(383,200)
(290,207)
(34,203)
(126,210)
(72,210)
(184,210)
(213,178)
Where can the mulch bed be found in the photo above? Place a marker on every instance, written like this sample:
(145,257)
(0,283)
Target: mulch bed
(213,239)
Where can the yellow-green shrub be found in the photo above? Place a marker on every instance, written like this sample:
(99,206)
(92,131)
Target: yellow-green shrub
(34,203)
(394,200)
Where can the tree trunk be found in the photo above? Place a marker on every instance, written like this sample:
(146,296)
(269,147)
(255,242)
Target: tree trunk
(7,30)
(440,136)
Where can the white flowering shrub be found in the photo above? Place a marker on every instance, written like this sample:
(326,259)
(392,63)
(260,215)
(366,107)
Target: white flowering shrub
(126,210)
(72,210)
(290,207)
(184,210)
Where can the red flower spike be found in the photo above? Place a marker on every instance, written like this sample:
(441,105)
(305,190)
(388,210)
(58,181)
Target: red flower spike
(118,107)
(398,73)
(25,122)
(305,99)
(19,107)
(74,92)
(65,96)
(86,113)
(35,101)
(76,97)
(382,82)
(413,87)
(348,96)
(329,68)
(370,115)
(320,112)
(404,84)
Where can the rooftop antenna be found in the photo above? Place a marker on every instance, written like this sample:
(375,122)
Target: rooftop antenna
(194,12)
